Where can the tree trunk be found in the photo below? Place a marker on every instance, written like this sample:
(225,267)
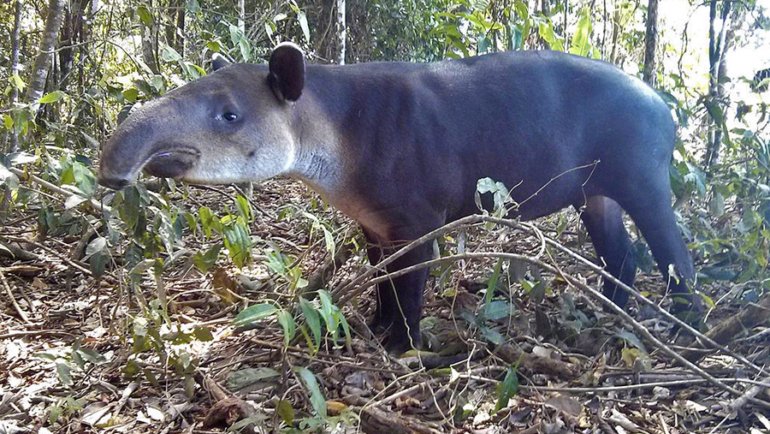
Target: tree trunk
(15,67)
(341,31)
(717,73)
(242,16)
(47,44)
(650,43)
(150,42)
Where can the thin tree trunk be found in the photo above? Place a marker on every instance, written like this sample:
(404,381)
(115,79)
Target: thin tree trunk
(650,43)
(150,42)
(242,16)
(341,31)
(47,44)
(717,71)
(15,66)
(180,25)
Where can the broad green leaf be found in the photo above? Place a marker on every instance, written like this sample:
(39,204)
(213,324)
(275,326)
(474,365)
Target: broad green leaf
(496,310)
(97,245)
(203,334)
(8,121)
(169,54)
(254,313)
(51,97)
(317,399)
(64,372)
(581,41)
(286,411)
(286,320)
(246,377)
(302,19)
(507,389)
(631,339)
(145,15)
(203,261)
(131,94)
(312,319)
(492,336)
(18,82)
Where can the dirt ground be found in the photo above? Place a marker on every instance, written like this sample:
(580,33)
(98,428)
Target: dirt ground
(81,354)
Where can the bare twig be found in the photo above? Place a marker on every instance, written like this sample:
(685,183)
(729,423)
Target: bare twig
(15,304)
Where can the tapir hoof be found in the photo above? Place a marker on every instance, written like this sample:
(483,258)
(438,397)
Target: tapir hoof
(688,308)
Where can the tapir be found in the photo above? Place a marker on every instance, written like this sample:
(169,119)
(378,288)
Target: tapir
(399,147)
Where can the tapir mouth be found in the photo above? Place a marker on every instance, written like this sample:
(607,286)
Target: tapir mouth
(168,162)
(172,163)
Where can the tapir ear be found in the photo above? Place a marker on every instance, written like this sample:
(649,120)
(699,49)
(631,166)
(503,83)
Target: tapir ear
(287,71)
(218,61)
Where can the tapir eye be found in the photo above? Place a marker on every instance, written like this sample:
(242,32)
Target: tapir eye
(230,116)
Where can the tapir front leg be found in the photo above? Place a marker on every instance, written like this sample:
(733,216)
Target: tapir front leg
(399,300)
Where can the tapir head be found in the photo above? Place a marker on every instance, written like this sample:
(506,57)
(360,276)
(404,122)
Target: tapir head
(234,125)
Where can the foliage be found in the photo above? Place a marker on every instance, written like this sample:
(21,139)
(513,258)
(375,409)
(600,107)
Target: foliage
(113,55)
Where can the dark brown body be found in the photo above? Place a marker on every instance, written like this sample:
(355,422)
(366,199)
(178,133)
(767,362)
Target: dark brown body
(399,147)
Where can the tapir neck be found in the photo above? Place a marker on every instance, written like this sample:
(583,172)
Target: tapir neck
(321,159)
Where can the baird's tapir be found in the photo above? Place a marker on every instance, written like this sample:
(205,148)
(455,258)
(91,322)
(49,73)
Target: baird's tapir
(399,147)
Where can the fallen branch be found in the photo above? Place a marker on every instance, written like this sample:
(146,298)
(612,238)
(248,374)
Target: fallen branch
(596,294)
(736,325)
(15,304)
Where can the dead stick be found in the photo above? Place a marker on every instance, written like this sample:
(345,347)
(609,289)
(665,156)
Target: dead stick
(15,304)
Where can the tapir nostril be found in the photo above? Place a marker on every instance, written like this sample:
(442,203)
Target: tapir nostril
(113,183)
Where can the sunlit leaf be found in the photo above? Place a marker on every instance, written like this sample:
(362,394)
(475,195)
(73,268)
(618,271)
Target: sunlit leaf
(51,97)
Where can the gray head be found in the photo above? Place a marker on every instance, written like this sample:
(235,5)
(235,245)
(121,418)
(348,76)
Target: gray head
(234,125)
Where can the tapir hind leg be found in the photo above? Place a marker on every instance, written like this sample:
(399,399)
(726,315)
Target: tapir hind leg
(653,215)
(603,219)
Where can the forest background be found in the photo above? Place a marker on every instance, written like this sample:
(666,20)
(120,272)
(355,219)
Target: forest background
(119,307)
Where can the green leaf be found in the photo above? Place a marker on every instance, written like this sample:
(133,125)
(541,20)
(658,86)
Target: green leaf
(286,320)
(246,377)
(97,245)
(18,82)
(244,207)
(492,336)
(214,46)
(631,339)
(254,313)
(8,121)
(131,94)
(91,356)
(203,334)
(327,312)
(286,411)
(204,261)
(64,373)
(302,19)
(144,14)
(312,319)
(496,310)
(168,54)
(507,389)
(581,41)
(492,282)
(51,97)
(317,399)
(238,243)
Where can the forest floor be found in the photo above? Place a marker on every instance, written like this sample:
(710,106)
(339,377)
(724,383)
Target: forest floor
(81,354)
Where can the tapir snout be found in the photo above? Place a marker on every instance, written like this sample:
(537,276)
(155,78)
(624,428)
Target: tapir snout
(400,147)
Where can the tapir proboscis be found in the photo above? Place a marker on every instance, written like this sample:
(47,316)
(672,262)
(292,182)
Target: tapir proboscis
(399,147)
